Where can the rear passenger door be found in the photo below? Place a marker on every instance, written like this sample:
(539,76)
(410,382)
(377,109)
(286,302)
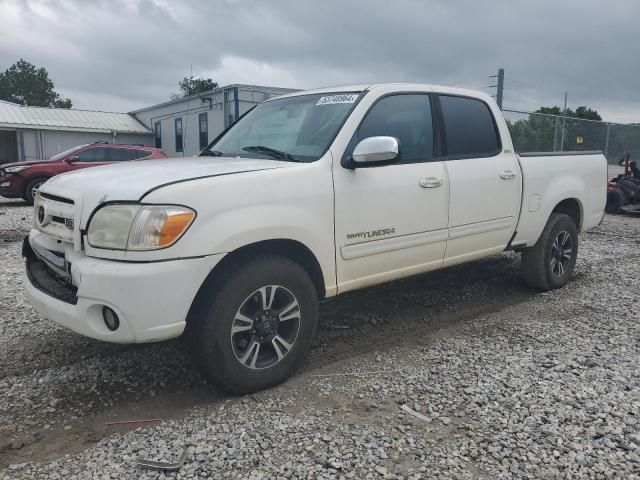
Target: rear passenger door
(485,184)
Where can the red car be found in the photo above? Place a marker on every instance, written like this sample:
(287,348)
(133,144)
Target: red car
(22,179)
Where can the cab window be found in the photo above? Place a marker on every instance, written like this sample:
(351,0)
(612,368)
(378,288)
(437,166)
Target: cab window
(470,130)
(406,117)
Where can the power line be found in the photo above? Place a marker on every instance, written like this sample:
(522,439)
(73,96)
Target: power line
(522,97)
(538,88)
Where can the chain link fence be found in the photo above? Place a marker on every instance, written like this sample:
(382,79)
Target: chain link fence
(539,132)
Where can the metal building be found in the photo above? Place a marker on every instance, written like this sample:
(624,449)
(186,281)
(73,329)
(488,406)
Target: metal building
(36,133)
(183,127)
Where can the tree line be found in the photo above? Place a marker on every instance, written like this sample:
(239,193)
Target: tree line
(25,84)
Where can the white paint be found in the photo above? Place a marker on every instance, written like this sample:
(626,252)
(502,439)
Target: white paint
(364,226)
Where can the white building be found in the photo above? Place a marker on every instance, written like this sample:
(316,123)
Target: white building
(36,133)
(183,127)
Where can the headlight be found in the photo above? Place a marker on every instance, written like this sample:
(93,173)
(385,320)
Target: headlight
(138,227)
(15,169)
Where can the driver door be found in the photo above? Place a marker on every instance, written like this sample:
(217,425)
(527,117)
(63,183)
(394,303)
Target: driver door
(391,220)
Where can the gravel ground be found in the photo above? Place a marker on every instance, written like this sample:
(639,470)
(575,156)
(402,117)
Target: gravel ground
(508,383)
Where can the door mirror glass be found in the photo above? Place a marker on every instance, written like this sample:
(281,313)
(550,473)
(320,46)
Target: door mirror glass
(73,159)
(376,150)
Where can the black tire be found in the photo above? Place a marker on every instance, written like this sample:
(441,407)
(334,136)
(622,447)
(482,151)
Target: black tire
(540,264)
(33,185)
(213,317)
(615,200)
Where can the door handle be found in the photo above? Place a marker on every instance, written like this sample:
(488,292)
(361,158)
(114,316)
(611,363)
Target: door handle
(507,175)
(430,182)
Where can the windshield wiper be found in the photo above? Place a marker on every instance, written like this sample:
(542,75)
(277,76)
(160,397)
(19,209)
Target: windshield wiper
(272,152)
(211,153)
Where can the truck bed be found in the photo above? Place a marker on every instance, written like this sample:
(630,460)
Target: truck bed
(550,178)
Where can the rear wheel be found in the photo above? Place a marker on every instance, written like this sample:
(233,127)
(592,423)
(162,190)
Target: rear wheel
(550,262)
(252,329)
(32,188)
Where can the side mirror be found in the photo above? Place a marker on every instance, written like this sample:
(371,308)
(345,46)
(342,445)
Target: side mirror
(375,150)
(73,159)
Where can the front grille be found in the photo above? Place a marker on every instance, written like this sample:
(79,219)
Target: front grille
(56,198)
(45,279)
(54,215)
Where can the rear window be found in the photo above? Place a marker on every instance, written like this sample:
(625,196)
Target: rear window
(469,127)
(97,154)
(122,154)
(142,153)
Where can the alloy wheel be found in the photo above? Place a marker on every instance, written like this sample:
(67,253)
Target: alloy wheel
(561,252)
(34,189)
(265,327)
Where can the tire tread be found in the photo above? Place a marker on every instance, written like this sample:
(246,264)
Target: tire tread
(534,265)
(203,332)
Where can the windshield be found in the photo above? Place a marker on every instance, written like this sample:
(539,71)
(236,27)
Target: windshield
(60,155)
(296,128)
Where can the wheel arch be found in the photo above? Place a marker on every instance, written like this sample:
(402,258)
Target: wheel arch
(573,208)
(292,249)
(38,176)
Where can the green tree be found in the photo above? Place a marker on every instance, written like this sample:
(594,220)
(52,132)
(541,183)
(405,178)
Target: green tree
(581,112)
(550,110)
(193,85)
(26,84)
(545,130)
(587,113)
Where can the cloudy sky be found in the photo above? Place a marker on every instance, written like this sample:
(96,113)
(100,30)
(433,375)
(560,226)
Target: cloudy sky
(121,55)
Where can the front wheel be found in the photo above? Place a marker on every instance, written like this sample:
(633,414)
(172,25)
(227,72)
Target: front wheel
(550,262)
(32,188)
(253,328)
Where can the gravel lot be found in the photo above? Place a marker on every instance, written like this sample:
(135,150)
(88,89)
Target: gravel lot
(509,383)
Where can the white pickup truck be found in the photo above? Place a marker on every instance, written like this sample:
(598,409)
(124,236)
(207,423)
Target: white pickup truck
(307,196)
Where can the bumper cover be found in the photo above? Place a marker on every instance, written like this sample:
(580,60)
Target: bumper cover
(151,299)
(15,187)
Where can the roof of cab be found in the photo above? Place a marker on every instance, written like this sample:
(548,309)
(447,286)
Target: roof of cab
(370,86)
(334,89)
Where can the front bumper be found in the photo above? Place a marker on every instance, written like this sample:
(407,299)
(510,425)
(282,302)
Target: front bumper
(151,299)
(11,185)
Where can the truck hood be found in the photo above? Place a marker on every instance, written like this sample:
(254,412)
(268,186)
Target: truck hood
(131,181)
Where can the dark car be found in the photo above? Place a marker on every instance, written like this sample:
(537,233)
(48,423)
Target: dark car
(22,179)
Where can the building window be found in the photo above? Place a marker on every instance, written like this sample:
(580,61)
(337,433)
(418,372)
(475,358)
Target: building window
(203,121)
(179,146)
(157,130)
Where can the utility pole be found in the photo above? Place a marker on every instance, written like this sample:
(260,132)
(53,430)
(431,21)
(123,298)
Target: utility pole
(499,87)
(564,121)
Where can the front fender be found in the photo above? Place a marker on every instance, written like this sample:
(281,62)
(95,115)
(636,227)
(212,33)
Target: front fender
(233,211)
